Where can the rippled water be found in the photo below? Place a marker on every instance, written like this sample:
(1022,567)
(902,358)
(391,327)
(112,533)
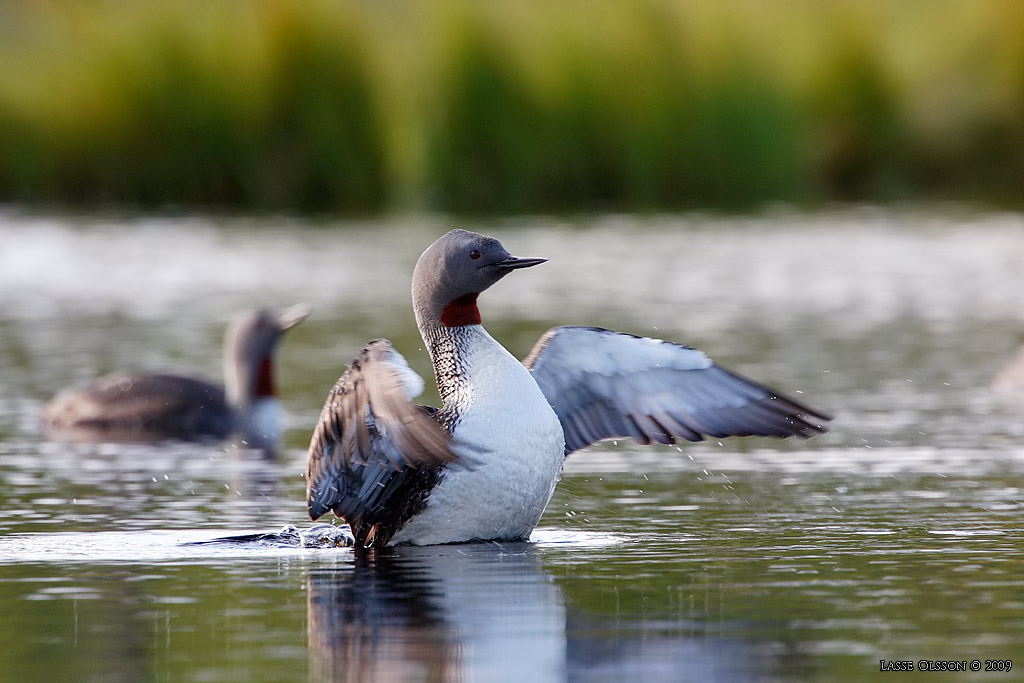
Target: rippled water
(897,536)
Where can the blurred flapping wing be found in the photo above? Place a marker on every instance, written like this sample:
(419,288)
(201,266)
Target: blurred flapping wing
(605,384)
(370,437)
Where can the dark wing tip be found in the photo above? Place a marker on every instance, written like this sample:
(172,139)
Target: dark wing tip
(804,420)
(316,508)
(801,410)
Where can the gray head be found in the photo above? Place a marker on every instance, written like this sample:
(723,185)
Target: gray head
(453,271)
(249,346)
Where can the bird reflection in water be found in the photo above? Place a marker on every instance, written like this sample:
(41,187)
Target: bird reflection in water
(492,612)
(457,612)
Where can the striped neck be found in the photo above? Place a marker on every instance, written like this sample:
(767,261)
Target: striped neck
(447,346)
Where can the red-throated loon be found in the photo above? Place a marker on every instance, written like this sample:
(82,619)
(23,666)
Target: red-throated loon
(147,407)
(484,465)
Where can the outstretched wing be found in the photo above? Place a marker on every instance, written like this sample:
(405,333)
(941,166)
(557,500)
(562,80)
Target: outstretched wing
(605,384)
(374,455)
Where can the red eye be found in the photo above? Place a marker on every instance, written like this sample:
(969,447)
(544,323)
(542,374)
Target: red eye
(474,254)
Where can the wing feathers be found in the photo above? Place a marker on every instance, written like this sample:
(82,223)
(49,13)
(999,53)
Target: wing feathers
(369,435)
(605,384)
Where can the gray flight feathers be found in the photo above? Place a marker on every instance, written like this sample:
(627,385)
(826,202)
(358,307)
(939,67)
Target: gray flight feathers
(368,431)
(605,384)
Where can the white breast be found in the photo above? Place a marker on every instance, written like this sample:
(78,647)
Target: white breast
(260,425)
(510,447)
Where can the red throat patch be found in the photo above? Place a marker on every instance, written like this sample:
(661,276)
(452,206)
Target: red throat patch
(265,381)
(461,311)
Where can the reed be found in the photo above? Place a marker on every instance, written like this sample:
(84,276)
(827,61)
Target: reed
(501,107)
(251,105)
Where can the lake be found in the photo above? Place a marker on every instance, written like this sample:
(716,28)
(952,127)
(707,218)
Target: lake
(895,537)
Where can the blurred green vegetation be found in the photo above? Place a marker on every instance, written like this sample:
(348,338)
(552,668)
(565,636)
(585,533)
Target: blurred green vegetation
(500,107)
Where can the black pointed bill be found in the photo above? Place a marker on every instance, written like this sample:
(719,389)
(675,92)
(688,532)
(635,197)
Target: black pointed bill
(515,263)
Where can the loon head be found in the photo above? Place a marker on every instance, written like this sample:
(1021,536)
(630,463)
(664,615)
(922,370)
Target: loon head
(453,271)
(249,346)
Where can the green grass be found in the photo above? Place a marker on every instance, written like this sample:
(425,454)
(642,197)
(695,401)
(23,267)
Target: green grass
(500,107)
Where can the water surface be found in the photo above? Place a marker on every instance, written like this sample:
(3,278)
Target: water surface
(896,536)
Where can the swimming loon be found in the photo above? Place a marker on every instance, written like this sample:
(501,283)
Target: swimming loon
(484,465)
(151,407)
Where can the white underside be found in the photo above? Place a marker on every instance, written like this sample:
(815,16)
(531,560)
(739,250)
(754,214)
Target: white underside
(260,425)
(510,447)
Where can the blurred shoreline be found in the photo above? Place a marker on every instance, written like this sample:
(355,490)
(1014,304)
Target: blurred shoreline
(351,108)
